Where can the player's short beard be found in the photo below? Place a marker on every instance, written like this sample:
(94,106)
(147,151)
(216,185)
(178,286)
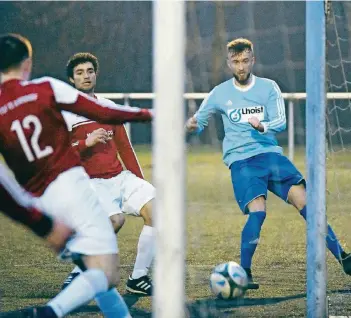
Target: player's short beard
(87,91)
(243,82)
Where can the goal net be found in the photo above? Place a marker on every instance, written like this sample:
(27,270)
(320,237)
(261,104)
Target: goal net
(338,139)
(214,222)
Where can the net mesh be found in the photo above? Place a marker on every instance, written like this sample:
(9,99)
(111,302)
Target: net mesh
(338,135)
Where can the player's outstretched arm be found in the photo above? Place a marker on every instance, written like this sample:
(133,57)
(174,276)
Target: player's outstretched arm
(20,206)
(104,111)
(199,121)
(55,233)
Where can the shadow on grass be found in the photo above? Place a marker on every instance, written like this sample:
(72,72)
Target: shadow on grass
(203,308)
(208,308)
(129,299)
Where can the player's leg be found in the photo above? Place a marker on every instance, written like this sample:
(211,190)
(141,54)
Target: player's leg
(251,234)
(111,202)
(97,282)
(249,178)
(297,197)
(288,184)
(139,281)
(117,221)
(138,196)
(94,238)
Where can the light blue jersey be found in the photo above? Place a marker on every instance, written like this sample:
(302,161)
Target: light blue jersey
(262,99)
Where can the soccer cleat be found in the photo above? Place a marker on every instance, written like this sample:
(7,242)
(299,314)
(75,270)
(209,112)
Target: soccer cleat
(346,262)
(69,280)
(139,286)
(32,312)
(251,284)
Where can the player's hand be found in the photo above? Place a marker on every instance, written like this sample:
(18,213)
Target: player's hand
(191,124)
(58,236)
(256,124)
(97,136)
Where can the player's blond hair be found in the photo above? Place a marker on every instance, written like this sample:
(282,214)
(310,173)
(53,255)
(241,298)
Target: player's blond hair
(239,45)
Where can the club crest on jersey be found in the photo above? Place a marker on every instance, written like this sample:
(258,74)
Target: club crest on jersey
(241,115)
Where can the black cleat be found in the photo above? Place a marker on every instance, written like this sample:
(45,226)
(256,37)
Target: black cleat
(251,284)
(33,312)
(346,262)
(139,286)
(69,279)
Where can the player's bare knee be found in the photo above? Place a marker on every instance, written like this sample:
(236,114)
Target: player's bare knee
(115,272)
(146,213)
(117,221)
(297,196)
(257,205)
(109,264)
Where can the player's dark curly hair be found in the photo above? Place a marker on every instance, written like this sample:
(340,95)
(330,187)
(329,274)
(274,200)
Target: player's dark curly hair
(14,49)
(80,58)
(239,45)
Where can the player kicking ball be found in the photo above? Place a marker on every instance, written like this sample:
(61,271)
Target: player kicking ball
(121,191)
(253,112)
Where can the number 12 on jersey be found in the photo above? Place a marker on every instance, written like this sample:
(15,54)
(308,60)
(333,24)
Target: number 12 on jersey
(34,147)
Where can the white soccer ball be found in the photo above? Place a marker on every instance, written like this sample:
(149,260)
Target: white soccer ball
(228,280)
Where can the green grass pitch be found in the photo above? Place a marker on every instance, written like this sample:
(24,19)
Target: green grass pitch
(30,274)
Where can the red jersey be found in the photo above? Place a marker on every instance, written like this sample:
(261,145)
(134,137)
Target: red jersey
(33,135)
(101,160)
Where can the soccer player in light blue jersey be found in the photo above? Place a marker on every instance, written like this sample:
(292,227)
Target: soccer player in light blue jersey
(253,111)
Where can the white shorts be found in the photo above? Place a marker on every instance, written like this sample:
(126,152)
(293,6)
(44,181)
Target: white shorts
(72,199)
(125,193)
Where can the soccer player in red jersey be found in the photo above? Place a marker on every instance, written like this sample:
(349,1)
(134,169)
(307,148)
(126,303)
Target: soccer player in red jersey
(35,143)
(120,190)
(21,207)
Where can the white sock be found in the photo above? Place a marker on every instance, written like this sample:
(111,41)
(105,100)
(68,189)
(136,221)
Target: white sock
(146,252)
(82,290)
(112,304)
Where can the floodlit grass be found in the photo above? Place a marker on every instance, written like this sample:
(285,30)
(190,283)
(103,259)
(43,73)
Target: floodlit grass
(30,273)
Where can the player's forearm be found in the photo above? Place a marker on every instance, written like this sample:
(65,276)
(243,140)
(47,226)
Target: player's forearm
(58,236)
(38,222)
(207,108)
(55,233)
(107,113)
(201,122)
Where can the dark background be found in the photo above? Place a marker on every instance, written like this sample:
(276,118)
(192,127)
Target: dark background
(120,35)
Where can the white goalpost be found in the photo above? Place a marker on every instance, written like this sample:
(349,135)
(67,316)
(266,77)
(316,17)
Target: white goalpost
(169,157)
